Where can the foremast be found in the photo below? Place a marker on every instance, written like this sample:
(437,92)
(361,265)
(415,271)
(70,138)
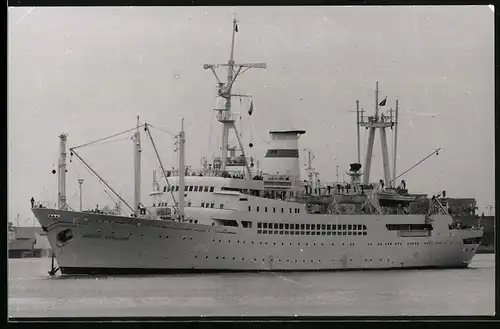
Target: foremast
(224,90)
(137,169)
(61,182)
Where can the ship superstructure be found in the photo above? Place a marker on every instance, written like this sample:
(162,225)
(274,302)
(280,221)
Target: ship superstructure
(220,219)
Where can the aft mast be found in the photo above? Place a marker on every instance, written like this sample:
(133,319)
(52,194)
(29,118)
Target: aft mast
(224,115)
(182,169)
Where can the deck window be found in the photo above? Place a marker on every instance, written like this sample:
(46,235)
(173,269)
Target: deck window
(165,189)
(349,227)
(257,208)
(221,206)
(286,226)
(249,208)
(212,188)
(364,227)
(281,226)
(203,204)
(200,188)
(206,188)
(265,209)
(190,188)
(259,225)
(328,227)
(323,227)
(212,205)
(276,226)
(196,189)
(274,209)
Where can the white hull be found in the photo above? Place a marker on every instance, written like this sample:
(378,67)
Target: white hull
(104,243)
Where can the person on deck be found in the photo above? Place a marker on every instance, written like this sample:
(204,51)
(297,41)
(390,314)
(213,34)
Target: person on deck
(32,202)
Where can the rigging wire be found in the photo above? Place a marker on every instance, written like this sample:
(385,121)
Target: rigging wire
(105,138)
(108,142)
(165,131)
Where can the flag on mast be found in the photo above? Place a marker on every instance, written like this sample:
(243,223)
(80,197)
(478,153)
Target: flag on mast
(250,111)
(382,103)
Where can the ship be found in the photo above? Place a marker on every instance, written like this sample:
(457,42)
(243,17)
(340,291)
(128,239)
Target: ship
(230,216)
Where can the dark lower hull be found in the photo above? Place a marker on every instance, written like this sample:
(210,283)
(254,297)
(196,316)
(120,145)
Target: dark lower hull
(149,271)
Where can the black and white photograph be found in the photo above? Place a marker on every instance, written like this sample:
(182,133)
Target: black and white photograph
(250,161)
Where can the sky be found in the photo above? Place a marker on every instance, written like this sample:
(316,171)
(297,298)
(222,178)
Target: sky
(88,72)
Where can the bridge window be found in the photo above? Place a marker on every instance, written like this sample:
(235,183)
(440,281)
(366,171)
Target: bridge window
(196,189)
(200,188)
(190,188)
(212,188)
(206,188)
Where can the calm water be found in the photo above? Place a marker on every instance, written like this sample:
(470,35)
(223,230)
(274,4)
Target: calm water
(413,292)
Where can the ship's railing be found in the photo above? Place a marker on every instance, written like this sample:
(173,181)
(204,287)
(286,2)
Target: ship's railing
(226,116)
(43,204)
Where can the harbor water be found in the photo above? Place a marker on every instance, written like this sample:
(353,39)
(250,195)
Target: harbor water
(471,291)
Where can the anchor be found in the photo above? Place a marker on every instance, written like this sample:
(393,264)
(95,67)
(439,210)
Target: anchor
(53,269)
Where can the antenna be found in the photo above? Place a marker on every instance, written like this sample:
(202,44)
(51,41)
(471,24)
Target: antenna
(224,115)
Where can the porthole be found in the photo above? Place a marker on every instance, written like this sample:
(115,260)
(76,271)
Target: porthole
(206,257)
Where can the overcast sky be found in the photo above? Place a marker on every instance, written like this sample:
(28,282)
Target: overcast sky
(89,71)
